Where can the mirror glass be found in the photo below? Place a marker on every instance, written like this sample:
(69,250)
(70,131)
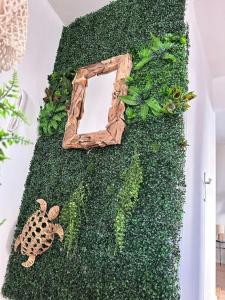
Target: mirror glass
(98,100)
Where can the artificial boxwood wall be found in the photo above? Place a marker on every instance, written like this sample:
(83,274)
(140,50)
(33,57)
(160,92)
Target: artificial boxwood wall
(147,268)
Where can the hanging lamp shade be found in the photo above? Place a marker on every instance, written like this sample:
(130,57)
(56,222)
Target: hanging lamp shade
(13,32)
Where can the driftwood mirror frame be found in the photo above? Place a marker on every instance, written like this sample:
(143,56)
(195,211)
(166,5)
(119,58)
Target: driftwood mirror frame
(113,133)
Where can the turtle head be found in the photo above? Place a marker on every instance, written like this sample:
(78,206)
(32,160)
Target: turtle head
(53,213)
(43,205)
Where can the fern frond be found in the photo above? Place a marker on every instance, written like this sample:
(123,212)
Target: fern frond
(71,217)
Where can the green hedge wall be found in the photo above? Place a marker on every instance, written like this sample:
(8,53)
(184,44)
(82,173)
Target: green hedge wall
(147,268)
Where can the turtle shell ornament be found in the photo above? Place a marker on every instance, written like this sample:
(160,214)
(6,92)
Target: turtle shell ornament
(38,233)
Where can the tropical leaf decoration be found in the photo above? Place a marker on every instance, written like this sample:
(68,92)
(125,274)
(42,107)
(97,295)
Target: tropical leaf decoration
(51,117)
(158,48)
(60,87)
(53,114)
(137,97)
(177,100)
(140,101)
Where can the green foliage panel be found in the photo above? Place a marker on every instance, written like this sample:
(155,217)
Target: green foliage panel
(147,265)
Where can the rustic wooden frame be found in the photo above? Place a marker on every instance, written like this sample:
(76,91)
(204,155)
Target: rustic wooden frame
(116,125)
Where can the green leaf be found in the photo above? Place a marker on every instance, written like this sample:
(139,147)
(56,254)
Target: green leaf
(129,100)
(145,53)
(134,91)
(154,104)
(169,56)
(144,111)
(183,40)
(130,113)
(60,108)
(129,79)
(54,124)
(167,45)
(169,107)
(148,84)
(156,43)
(155,107)
(142,63)
(189,96)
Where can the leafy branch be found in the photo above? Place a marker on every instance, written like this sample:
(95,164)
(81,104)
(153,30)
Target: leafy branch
(127,198)
(71,217)
(10,91)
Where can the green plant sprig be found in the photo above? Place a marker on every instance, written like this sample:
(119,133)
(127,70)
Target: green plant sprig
(71,217)
(10,91)
(127,198)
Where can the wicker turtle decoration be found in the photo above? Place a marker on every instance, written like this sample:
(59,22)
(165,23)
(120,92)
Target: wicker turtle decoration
(38,233)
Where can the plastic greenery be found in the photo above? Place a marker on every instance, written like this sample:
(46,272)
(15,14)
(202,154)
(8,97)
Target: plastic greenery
(158,48)
(57,99)
(154,147)
(51,117)
(127,198)
(140,101)
(147,266)
(71,217)
(9,92)
(60,87)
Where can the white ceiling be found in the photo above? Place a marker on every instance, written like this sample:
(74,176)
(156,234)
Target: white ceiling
(69,10)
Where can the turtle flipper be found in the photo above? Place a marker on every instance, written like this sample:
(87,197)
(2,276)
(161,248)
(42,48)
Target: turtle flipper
(29,262)
(53,213)
(56,228)
(43,205)
(17,242)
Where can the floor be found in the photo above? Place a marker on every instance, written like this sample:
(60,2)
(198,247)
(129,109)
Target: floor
(220,282)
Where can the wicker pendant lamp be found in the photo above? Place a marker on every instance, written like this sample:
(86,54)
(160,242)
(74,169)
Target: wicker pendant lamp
(13,32)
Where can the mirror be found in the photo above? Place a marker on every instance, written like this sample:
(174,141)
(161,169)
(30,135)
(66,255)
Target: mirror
(96,114)
(98,100)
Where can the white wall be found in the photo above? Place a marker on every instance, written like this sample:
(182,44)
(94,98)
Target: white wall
(220,191)
(44,31)
(220,184)
(197,269)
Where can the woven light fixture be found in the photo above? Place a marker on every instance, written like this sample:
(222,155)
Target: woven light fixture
(13,32)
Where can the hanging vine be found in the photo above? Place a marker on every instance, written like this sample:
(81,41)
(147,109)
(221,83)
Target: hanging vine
(127,198)
(71,217)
